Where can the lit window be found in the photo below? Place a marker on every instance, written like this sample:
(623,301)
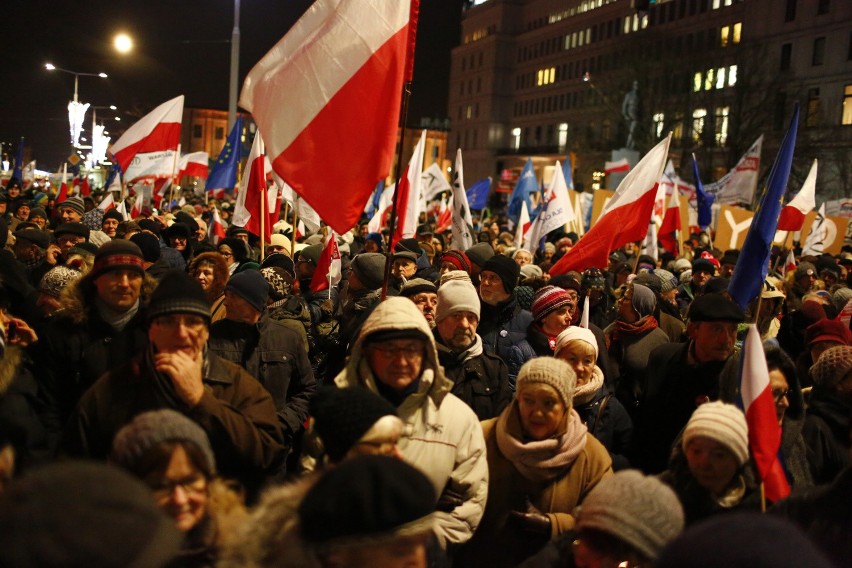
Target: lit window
(540,78)
(720,78)
(627,25)
(563,136)
(659,124)
(722,125)
(708,79)
(696,82)
(732,75)
(677,127)
(644,21)
(716,4)
(698,117)
(738,29)
(574,39)
(847,105)
(588,35)
(516,138)
(553,74)
(468,111)
(723,36)
(635,22)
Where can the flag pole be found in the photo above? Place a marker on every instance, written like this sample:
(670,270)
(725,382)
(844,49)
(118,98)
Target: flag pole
(403,114)
(295,228)
(263,198)
(174,173)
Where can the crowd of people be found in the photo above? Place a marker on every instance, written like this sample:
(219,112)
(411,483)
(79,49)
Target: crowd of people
(171,398)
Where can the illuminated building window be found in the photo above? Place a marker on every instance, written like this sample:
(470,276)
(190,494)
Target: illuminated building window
(738,29)
(722,125)
(708,79)
(732,75)
(659,124)
(563,133)
(696,82)
(699,115)
(847,105)
(720,78)
(724,36)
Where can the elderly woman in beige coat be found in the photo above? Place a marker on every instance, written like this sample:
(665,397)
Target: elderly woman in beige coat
(542,463)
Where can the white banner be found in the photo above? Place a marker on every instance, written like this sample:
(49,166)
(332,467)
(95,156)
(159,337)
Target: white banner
(151,165)
(738,185)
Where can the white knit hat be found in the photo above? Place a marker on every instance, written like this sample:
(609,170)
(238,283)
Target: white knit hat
(456,296)
(723,423)
(552,372)
(575,333)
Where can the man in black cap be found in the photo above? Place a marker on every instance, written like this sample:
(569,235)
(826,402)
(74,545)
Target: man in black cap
(424,294)
(101,326)
(110,221)
(68,235)
(424,268)
(266,348)
(682,376)
(702,271)
(177,371)
(30,250)
(503,323)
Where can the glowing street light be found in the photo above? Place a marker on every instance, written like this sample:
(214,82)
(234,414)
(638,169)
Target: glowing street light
(123,43)
(77,75)
(76,110)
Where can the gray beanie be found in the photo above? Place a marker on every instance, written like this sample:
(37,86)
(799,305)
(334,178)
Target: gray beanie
(841,297)
(721,422)
(644,300)
(638,510)
(151,428)
(668,279)
(552,372)
(369,267)
(457,296)
(75,203)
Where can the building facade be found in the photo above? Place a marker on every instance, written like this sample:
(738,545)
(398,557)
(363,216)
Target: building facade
(542,78)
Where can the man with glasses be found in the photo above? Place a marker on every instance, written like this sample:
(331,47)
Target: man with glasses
(177,371)
(395,357)
(69,234)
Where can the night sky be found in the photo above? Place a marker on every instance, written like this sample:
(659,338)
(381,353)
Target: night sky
(181,47)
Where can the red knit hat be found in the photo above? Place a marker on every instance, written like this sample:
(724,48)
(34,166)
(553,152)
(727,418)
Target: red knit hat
(458,259)
(547,300)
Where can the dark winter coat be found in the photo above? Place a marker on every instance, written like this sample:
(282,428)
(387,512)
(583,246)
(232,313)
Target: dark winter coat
(503,329)
(482,382)
(673,391)
(609,423)
(22,409)
(628,357)
(236,412)
(274,354)
(828,424)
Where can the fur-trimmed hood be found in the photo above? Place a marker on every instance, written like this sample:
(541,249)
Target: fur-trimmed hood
(396,313)
(76,298)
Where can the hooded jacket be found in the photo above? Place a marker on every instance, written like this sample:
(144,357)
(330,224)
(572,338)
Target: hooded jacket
(442,435)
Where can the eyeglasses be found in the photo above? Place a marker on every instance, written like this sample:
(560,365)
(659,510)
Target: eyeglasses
(778,395)
(408,352)
(195,485)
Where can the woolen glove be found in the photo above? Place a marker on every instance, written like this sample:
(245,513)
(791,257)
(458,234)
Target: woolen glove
(530,521)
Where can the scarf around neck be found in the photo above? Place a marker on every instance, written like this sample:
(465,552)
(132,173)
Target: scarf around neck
(542,460)
(585,393)
(116,320)
(638,328)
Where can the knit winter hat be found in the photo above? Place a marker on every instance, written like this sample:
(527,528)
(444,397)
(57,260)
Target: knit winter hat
(552,372)
(369,268)
(148,429)
(113,214)
(458,259)
(456,296)
(833,365)
(721,422)
(56,279)
(117,254)
(549,299)
(531,271)
(649,280)
(370,499)
(416,286)
(75,203)
(280,282)
(343,416)
(280,260)
(644,301)
(251,286)
(77,513)
(78,229)
(575,333)
(668,280)
(311,254)
(504,267)
(148,244)
(178,293)
(804,269)
(681,264)
(828,330)
(638,510)
(479,253)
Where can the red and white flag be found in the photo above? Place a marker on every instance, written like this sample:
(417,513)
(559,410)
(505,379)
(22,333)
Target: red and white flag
(445,216)
(122,209)
(793,214)
(619,166)
(671,223)
(345,62)
(63,188)
(523,225)
(153,140)
(584,319)
(625,217)
(107,203)
(790,264)
(382,215)
(408,195)
(216,229)
(555,211)
(649,247)
(328,272)
(253,191)
(195,164)
(764,431)
(85,190)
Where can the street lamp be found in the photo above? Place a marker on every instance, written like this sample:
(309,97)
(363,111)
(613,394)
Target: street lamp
(235,66)
(76,109)
(77,75)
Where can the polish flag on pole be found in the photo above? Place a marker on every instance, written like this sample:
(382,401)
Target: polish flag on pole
(764,431)
(253,190)
(671,223)
(408,195)
(122,209)
(107,203)
(624,219)
(790,265)
(345,62)
(155,133)
(620,166)
(215,230)
(793,214)
(328,271)
(445,217)
(195,164)
(523,225)
(85,190)
(63,188)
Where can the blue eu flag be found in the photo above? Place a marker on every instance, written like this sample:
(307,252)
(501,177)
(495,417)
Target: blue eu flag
(223,174)
(527,184)
(477,194)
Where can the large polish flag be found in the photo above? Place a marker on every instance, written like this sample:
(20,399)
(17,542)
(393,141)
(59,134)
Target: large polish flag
(328,272)
(793,214)
(194,164)
(408,194)
(331,87)
(624,219)
(253,189)
(764,431)
(671,223)
(154,139)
